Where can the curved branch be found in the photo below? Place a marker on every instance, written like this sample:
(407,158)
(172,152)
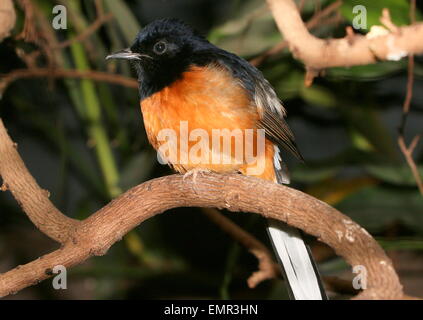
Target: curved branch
(28,193)
(95,235)
(349,51)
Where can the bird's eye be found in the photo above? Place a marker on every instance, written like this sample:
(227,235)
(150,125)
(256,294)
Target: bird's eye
(160,47)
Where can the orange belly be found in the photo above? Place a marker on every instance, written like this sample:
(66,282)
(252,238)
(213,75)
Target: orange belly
(204,100)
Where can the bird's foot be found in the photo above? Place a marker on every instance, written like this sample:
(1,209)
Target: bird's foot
(194,172)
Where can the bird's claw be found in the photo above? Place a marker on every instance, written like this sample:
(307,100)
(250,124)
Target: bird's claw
(194,173)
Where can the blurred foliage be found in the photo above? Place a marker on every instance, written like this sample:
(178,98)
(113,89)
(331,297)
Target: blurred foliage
(84,141)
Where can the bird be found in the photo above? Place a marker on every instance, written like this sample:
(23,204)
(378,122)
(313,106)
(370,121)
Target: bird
(188,84)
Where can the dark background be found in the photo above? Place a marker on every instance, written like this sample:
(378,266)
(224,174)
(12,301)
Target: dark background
(345,125)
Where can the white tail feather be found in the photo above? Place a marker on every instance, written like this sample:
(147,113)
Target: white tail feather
(293,254)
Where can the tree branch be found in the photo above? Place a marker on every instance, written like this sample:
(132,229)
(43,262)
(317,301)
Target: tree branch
(14,75)
(33,200)
(349,51)
(95,234)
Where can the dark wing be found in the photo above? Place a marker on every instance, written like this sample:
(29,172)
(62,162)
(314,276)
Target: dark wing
(271,111)
(272,117)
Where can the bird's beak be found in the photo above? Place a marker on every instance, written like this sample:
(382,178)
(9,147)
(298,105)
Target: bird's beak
(126,54)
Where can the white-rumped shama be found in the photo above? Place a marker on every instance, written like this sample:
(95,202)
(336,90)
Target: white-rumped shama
(183,77)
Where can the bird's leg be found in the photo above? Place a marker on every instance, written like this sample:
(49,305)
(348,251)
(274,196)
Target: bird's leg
(194,172)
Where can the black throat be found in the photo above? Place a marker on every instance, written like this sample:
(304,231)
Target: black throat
(154,76)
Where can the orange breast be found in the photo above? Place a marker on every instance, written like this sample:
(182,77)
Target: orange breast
(205,98)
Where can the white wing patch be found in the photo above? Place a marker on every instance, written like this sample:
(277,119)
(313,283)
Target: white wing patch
(277,158)
(265,97)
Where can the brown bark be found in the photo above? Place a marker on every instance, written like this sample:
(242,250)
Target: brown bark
(33,200)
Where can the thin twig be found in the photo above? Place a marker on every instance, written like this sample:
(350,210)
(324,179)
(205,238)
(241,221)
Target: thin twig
(315,20)
(84,35)
(268,269)
(29,32)
(408,154)
(408,95)
(8,78)
(101,19)
(99,7)
(386,20)
(408,151)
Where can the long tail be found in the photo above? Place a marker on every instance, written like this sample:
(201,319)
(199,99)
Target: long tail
(298,267)
(302,278)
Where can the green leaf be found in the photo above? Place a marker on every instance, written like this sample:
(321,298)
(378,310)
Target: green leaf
(366,120)
(377,207)
(318,95)
(251,31)
(312,174)
(360,142)
(138,169)
(367,72)
(399,175)
(255,37)
(401,244)
(127,22)
(287,83)
(96,131)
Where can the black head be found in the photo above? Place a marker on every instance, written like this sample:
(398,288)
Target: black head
(162,51)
